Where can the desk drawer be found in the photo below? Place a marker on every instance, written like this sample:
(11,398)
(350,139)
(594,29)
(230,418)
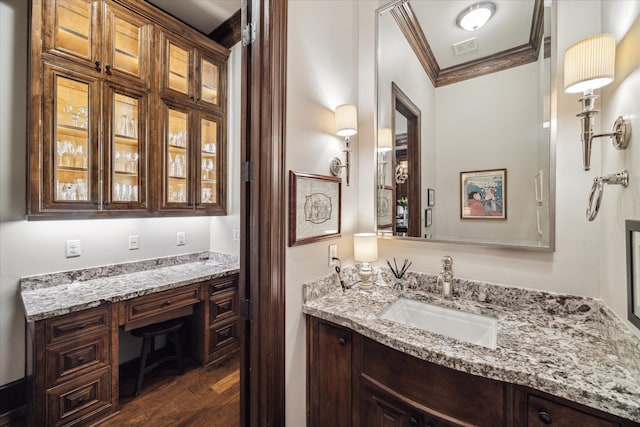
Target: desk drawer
(160,305)
(77,324)
(80,401)
(223,305)
(223,339)
(72,359)
(222,284)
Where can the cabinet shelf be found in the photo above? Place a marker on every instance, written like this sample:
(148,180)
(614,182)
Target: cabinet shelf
(177,147)
(125,173)
(179,178)
(72,130)
(71,169)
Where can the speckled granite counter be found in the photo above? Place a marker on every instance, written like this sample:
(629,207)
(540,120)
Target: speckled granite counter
(54,294)
(568,346)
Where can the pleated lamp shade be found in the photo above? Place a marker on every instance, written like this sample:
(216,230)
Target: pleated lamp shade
(590,63)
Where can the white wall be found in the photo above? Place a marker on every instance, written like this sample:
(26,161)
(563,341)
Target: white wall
(322,72)
(33,247)
(622,97)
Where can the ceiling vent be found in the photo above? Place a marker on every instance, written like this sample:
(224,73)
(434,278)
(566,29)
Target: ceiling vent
(465,46)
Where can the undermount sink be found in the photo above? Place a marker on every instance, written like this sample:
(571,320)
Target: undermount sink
(472,328)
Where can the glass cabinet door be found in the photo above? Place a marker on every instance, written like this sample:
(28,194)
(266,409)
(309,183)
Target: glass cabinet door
(126,44)
(69,149)
(125,184)
(177,155)
(209,76)
(75,33)
(177,64)
(211,167)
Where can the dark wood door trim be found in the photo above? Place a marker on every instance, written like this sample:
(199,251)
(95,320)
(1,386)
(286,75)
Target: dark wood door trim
(262,252)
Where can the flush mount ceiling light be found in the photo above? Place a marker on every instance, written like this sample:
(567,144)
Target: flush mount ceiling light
(475,16)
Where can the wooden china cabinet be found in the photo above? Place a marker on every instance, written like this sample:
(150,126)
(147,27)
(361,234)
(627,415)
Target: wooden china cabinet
(110,137)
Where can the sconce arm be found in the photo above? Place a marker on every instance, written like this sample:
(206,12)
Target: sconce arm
(621,134)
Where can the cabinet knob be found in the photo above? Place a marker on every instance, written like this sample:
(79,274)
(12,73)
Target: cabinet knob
(342,341)
(545,417)
(106,203)
(81,400)
(80,359)
(107,68)
(167,302)
(414,422)
(98,64)
(80,326)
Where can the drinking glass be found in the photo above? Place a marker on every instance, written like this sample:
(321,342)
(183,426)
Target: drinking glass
(61,149)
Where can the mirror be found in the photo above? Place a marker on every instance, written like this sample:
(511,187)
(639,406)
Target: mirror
(477,165)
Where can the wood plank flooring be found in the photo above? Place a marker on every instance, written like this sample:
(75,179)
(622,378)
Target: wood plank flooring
(207,397)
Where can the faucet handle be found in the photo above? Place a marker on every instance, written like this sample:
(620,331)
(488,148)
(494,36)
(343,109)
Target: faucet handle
(447,261)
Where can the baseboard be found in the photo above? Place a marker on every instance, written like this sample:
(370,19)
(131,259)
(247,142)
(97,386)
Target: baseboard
(12,401)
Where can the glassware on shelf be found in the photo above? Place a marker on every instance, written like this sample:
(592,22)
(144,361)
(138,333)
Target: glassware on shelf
(208,167)
(80,160)
(134,162)
(206,194)
(124,125)
(132,127)
(61,149)
(117,161)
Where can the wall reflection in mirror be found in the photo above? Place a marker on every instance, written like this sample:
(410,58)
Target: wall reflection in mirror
(451,100)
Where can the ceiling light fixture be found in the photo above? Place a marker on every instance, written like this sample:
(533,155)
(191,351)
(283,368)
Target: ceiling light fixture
(475,16)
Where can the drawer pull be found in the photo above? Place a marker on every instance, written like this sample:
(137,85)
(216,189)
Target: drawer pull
(342,341)
(81,326)
(81,359)
(80,400)
(545,417)
(414,422)
(167,302)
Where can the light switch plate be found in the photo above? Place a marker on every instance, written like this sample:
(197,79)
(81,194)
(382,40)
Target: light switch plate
(134,243)
(333,253)
(181,238)
(73,248)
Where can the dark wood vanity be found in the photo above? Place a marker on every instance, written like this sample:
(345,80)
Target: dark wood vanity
(355,381)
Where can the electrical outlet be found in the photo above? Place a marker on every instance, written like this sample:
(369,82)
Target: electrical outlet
(236,234)
(73,248)
(181,238)
(134,243)
(333,253)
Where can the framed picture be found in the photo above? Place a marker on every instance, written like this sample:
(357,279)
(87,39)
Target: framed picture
(431,197)
(385,206)
(428,217)
(632,231)
(483,194)
(314,207)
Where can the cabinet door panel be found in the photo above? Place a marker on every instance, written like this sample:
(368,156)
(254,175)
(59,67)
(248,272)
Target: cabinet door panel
(72,30)
(177,158)
(127,44)
(541,412)
(70,141)
(379,409)
(211,81)
(176,67)
(209,164)
(125,154)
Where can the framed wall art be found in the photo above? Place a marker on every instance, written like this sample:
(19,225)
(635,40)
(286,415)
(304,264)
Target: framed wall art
(314,207)
(483,194)
(385,206)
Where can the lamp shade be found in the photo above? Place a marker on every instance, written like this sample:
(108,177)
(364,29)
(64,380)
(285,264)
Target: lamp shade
(346,120)
(590,63)
(365,247)
(385,139)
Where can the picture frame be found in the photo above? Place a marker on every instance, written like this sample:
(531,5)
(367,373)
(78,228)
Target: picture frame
(483,194)
(632,233)
(385,207)
(315,207)
(428,217)
(431,197)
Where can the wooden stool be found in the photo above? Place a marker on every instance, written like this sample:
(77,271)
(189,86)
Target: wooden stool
(170,328)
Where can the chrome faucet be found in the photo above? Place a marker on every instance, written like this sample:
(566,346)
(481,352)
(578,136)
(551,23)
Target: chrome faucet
(445,278)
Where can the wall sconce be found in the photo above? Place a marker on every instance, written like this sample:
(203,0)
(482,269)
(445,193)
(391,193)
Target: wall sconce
(365,250)
(402,172)
(385,144)
(346,125)
(589,65)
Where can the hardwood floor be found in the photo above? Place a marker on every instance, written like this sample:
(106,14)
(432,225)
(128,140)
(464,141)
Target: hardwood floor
(200,397)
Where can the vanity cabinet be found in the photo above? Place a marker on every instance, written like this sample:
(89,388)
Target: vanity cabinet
(329,394)
(355,381)
(96,105)
(74,380)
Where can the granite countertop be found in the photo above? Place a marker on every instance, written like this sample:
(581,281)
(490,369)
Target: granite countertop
(568,346)
(55,294)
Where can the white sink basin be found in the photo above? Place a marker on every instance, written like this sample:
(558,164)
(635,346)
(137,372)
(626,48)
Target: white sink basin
(472,328)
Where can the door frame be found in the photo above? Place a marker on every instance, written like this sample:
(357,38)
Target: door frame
(262,218)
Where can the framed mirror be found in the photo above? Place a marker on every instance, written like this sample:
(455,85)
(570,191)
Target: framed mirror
(480,100)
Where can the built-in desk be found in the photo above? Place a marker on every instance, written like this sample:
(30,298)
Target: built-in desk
(73,320)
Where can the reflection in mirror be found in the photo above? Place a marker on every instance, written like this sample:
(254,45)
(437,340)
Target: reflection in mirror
(480,105)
